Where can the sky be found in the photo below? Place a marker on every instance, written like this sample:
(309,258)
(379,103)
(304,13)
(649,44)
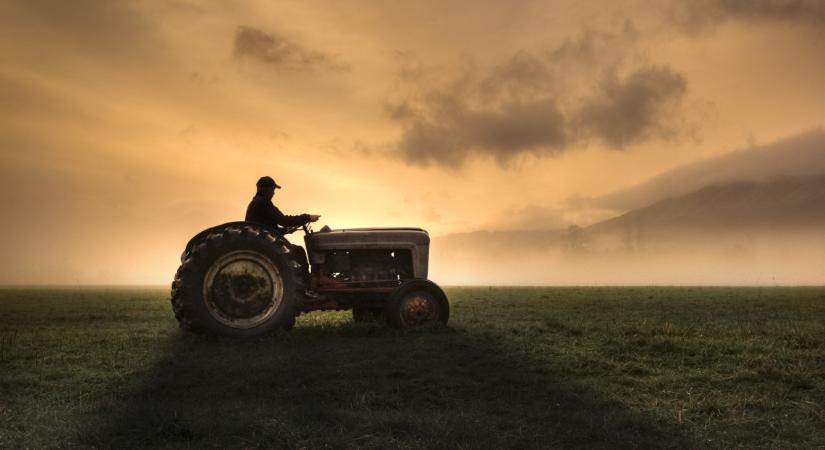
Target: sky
(128,126)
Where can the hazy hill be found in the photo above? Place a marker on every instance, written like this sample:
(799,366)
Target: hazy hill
(797,202)
(797,156)
(736,206)
(739,232)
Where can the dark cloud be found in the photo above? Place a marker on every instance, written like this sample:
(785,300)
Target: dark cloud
(500,112)
(523,75)
(543,102)
(514,109)
(699,14)
(502,132)
(281,53)
(633,110)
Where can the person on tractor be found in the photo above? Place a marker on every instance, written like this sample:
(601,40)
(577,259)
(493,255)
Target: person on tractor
(261,210)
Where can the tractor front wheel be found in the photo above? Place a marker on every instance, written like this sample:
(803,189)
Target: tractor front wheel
(415,303)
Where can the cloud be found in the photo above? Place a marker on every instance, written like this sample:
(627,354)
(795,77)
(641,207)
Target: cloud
(697,15)
(633,110)
(594,86)
(281,53)
(515,109)
(501,132)
(521,76)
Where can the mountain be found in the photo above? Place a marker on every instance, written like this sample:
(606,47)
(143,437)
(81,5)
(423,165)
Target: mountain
(787,202)
(740,232)
(741,205)
(796,156)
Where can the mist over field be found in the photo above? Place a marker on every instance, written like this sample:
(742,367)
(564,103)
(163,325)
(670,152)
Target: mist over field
(771,258)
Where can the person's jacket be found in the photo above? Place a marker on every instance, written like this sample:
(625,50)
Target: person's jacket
(261,210)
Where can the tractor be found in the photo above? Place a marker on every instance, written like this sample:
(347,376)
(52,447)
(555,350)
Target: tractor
(243,279)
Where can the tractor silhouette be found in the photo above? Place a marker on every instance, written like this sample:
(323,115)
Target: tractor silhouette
(243,279)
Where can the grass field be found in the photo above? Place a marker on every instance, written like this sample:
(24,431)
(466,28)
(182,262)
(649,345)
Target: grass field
(516,368)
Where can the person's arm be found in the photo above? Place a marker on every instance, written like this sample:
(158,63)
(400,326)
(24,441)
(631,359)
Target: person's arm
(274,215)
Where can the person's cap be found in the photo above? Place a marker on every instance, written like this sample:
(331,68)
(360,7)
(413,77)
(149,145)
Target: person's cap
(267,182)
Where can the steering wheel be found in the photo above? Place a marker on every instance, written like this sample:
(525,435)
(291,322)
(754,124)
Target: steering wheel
(289,230)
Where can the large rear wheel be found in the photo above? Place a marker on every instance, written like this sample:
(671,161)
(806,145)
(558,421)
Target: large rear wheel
(241,280)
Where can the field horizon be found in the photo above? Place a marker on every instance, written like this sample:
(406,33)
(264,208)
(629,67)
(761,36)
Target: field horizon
(498,286)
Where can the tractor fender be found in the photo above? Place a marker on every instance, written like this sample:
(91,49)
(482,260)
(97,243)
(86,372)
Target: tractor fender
(203,234)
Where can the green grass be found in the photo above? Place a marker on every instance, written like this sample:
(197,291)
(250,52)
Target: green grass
(516,368)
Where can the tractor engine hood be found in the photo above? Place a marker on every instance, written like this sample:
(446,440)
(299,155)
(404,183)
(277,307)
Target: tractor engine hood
(364,238)
(414,239)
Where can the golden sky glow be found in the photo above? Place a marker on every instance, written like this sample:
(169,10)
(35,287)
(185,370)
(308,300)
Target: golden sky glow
(126,127)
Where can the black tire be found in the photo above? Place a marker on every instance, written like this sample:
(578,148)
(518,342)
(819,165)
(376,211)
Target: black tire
(417,302)
(241,280)
(362,314)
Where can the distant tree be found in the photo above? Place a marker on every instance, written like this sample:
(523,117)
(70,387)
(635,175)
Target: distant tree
(632,236)
(575,239)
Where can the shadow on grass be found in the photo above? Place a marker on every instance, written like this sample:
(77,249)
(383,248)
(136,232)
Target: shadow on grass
(360,386)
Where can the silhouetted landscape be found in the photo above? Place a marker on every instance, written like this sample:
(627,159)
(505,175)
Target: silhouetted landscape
(473,224)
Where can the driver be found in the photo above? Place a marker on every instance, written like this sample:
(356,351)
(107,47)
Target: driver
(262,211)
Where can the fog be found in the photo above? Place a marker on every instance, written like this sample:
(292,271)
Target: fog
(768,258)
(768,232)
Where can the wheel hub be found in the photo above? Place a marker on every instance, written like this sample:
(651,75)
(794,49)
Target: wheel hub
(242,289)
(417,309)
